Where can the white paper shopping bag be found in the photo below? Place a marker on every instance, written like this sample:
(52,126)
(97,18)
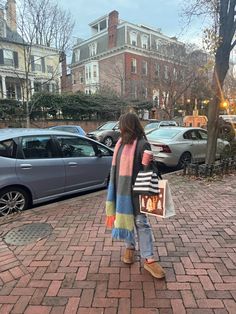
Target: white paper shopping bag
(161,204)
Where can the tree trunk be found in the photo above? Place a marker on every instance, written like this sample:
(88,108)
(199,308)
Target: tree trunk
(220,71)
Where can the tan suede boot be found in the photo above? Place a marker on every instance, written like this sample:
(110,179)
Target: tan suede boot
(128,257)
(154,269)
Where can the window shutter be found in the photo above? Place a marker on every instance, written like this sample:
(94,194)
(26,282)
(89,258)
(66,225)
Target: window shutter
(15,57)
(32,63)
(1,56)
(43,64)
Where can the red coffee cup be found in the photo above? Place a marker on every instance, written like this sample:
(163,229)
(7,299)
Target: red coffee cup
(147,157)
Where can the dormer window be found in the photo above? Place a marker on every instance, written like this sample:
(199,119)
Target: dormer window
(144,40)
(133,38)
(77,55)
(93,49)
(158,44)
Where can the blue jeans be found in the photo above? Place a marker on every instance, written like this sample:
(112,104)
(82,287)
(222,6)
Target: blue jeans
(144,233)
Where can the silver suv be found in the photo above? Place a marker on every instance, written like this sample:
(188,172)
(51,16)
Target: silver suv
(107,133)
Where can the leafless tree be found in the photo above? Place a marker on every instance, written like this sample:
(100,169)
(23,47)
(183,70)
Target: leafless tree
(44,23)
(220,39)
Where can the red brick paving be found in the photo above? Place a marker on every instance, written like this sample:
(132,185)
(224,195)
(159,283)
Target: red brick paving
(78,269)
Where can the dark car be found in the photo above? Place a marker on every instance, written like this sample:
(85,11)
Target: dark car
(39,165)
(107,133)
(76,129)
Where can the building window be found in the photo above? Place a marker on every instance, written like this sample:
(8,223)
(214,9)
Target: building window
(158,44)
(175,74)
(38,64)
(77,55)
(133,89)
(144,40)
(81,78)
(37,87)
(94,71)
(157,72)
(144,92)
(144,67)
(93,49)
(133,38)
(166,72)
(133,65)
(50,69)
(8,57)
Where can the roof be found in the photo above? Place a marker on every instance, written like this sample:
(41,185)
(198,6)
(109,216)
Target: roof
(12,36)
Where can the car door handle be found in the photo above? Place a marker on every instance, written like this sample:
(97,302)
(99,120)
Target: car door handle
(25,166)
(72,164)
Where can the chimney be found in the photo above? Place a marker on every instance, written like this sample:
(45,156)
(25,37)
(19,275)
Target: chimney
(11,14)
(112,29)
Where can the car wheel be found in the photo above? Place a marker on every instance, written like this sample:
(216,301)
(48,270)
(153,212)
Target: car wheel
(185,158)
(13,199)
(108,141)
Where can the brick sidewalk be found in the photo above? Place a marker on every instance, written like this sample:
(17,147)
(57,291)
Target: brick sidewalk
(77,269)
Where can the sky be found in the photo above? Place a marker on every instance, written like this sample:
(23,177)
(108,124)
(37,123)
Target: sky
(164,14)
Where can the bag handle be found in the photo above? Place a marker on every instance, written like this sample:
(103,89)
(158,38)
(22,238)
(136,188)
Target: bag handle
(155,169)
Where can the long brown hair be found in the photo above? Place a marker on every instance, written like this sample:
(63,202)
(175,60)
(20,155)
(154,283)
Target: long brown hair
(130,128)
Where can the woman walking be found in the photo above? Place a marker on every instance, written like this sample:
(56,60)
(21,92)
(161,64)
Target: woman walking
(122,206)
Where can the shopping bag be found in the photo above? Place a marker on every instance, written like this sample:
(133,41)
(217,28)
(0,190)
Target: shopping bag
(159,205)
(146,183)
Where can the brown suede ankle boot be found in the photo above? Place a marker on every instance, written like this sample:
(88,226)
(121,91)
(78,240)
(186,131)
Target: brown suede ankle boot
(154,269)
(128,257)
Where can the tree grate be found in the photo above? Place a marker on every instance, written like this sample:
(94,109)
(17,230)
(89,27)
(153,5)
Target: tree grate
(28,233)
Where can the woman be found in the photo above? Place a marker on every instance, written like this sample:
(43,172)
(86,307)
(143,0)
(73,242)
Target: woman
(122,206)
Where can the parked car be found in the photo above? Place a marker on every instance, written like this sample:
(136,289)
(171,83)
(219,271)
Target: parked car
(39,165)
(175,146)
(158,124)
(76,129)
(107,133)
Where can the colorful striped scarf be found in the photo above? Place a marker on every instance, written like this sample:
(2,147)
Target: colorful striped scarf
(119,206)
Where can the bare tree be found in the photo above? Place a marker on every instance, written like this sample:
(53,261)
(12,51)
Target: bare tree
(220,39)
(177,76)
(43,23)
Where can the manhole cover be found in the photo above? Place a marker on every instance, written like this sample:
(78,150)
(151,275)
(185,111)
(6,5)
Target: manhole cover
(27,233)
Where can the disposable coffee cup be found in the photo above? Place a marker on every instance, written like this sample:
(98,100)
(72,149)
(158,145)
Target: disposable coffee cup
(147,157)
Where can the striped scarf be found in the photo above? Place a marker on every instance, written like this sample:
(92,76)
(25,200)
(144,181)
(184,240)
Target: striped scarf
(119,206)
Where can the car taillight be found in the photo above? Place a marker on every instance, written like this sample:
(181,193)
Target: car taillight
(163,148)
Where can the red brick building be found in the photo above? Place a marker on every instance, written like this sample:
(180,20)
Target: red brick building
(135,61)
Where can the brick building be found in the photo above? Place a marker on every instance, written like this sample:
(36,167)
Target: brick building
(135,61)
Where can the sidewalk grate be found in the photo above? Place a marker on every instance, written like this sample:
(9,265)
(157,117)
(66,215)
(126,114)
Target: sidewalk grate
(28,233)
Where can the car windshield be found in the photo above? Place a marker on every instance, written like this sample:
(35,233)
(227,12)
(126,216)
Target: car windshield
(163,133)
(107,126)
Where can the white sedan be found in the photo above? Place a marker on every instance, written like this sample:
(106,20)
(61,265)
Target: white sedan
(175,146)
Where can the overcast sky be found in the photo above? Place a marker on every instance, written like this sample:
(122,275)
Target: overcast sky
(164,14)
